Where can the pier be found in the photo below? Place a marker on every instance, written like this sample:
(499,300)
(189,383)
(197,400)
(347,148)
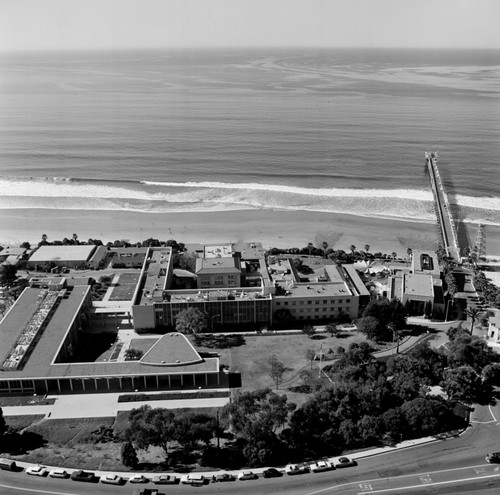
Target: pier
(446,224)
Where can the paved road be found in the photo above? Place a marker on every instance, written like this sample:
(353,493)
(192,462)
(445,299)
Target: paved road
(455,465)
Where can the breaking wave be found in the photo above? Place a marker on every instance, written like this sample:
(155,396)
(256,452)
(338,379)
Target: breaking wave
(167,197)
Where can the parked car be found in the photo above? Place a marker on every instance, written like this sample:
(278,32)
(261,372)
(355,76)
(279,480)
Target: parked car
(37,471)
(272,473)
(223,477)
(8,465)
(193,479)
(81,475)
(112,479)
(345,462)
(138,478)
(165,479)
(147,491)
(58,473)
(494,457)
(293,469)
(321,466)
(247,475)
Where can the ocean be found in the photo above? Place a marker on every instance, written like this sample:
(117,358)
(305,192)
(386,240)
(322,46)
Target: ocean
(327,130)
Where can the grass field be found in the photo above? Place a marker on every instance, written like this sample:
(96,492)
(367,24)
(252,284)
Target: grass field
(20,422)
(252,359)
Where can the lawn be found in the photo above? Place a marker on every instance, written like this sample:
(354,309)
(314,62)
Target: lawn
(252,358)
(69,431)
(142,344)
(20,422)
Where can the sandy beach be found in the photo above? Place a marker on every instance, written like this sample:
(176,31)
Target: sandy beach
(274,228)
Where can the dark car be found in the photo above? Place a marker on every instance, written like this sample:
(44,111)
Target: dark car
(8,465)
(147,491)
(223,477)
(494,457)
(83,476)
(272,473)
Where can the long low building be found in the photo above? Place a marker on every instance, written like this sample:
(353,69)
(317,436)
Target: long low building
(71,256)
(42,331)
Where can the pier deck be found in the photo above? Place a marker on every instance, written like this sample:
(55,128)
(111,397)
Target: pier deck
(445,220)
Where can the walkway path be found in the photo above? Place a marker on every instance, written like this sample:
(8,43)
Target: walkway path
(105,405)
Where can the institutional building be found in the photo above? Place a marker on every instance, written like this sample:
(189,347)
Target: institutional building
(44,329)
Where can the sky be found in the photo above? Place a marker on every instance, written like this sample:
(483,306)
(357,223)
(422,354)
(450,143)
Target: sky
(124,24)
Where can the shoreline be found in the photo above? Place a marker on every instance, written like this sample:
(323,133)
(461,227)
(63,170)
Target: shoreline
(274,228)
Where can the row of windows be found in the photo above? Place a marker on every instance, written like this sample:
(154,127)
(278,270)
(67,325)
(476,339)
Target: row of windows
(317,302)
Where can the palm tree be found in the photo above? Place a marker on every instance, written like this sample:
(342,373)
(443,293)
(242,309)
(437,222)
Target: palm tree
(75,237)
(325,247)
(44,237)
(367,248)
(394,255)
(310,245)
(473,313)
(353,248)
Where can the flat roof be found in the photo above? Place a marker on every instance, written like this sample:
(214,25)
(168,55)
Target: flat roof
(80,252)
(45,350)
(157,268)
(218,251)
(418,284)
(40,362)
(425,261)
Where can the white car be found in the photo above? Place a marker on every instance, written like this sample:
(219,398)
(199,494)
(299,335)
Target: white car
(138,478)
(193,479)
(58,473)
(321,466)
(293,469)
(37,471)
(343,462)
(111,479)
(247,475)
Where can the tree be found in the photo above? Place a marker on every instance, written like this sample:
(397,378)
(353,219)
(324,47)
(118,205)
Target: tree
(309,330)
(394,255)
(25,245)
(310,355)
(367,248)
(129,455)
(151,242)
(262,410)
(310,247)
(324,245)
(467,350)
(370,326)
(151,427)
(277,370)
(8,275)
(133,354)
(332,329)
(305,376)
(3,426)
(462,383)
(352,248)
(473,314)
(191,428)
(192,320)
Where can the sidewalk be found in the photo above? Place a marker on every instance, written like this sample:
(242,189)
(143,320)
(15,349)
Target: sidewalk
(208,474)
(105,405)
